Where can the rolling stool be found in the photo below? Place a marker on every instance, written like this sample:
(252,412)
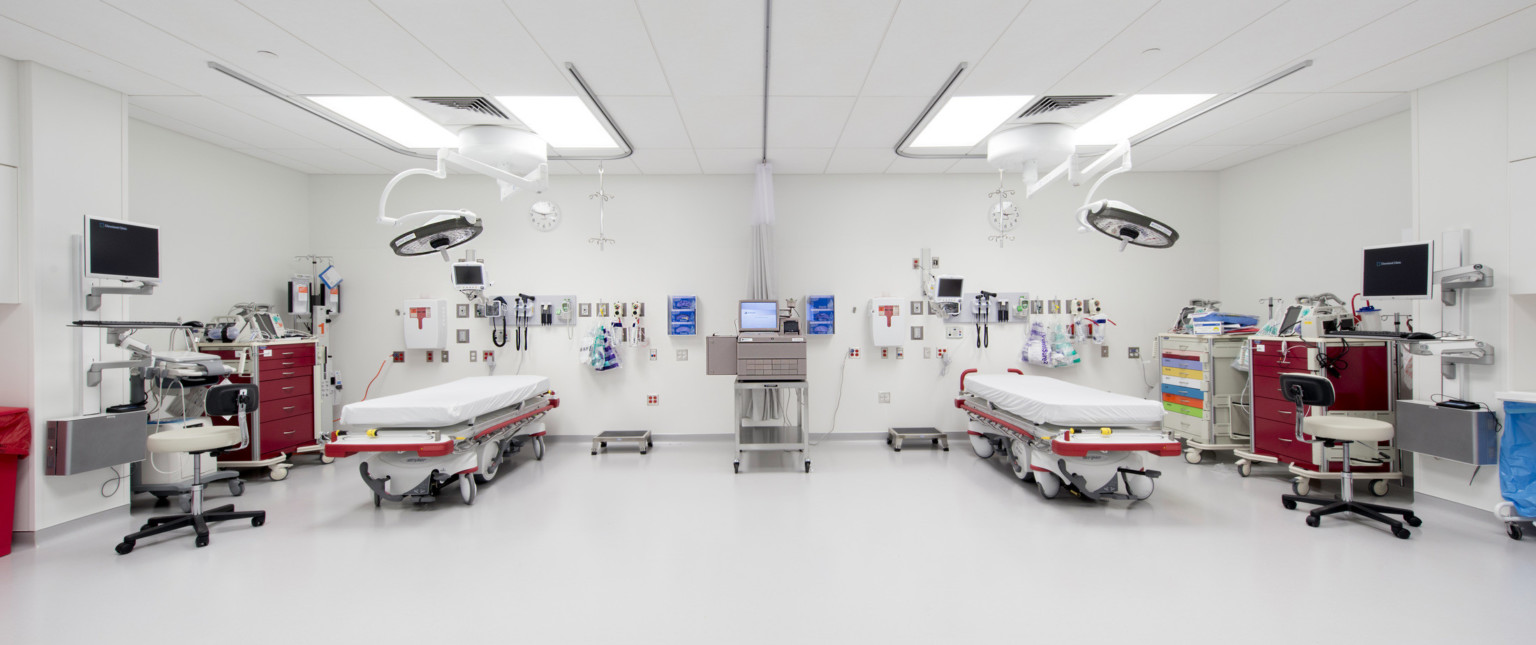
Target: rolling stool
(1308,389)
(223,400)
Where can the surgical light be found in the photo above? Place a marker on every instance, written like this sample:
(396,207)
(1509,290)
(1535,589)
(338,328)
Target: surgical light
(391,118)
(563,121)
(1122,222)
(965,120)
(1135,115)
(449,230)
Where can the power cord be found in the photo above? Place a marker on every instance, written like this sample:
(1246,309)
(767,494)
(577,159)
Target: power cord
(842,379)
(116,480)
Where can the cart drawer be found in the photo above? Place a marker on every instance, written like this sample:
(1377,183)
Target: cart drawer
(1185,345)
(275,390)
(289,407)
(286,433)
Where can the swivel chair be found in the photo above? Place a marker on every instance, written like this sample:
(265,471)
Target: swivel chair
(223,400)
(1308,389)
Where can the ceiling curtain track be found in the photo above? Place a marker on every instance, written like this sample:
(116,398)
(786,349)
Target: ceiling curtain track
(763,404)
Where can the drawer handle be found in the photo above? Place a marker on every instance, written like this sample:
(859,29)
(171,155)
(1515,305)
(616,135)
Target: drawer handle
(289,408)
(288,388)
(290,432)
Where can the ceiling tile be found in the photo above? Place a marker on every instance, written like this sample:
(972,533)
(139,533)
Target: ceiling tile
(1178,31)
(860,160)
(1239,111)
(723,121)
(361,37)
(1282,37)
(155,118)
(825,47)
(217,117)
(562,168)
(20,42)
(624,166)
(707,47)
(1187,158)
(729,161)
(1046,41)
(666,161)
(927,39)
(606,40)
(799,161)
(880,120)
(269,156)
(649,121)
(806,122)
(1374,112)
(229,32)
(969,166)
(903,165)
(1471,50)
(485,43)
(292,119)
(331,161)
(1240,157)
(386,160)
(1295,116)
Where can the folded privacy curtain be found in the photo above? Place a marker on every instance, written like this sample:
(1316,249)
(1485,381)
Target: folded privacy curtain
(762,270)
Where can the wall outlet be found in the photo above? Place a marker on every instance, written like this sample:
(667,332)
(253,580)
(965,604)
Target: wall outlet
(1104,351)
(462,310)
(445,356)
(885,397)
(653,354)
(490,356)
(942,352)
(1133,352)
(474,356)
(682,354)
(927,352)
(953,332)
(585,310)
(885,352)
(853,352)
(398,357)
(901,352)
(652,399)
(917,307)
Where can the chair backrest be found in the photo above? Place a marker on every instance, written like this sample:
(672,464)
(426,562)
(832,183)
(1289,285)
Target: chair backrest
(224,400)
(1306,389)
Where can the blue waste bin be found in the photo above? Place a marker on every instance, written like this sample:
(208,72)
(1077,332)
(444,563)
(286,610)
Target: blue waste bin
(1517,457)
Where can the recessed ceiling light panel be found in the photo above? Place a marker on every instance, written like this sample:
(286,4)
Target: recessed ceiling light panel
(965,120)
(562,121)
(392,119)
(1134,115)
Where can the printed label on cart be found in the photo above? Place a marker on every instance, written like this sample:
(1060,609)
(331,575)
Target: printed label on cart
(1258,347)
(266,352)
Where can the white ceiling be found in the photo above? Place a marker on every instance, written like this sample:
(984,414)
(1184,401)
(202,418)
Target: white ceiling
(683,78)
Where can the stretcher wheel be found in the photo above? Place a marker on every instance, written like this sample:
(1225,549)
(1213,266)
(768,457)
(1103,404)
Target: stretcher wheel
(491,468)
(538,448)
(1313,521)
(1049,485)
(1301,486)
(980,444)
(278,474)
(236,487)
(467,489)
(1379,487)
(1514,531)
(1140,487)
(126,546)
(1017,459)
(1401,533)
(1413,520)
(327,459)
(1244,468)
(1192,456)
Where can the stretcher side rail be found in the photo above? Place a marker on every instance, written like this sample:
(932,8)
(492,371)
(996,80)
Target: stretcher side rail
(434,444)
(1056,435)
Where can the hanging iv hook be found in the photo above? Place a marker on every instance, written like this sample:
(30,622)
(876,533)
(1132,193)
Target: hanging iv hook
(1000,194)
(602,240)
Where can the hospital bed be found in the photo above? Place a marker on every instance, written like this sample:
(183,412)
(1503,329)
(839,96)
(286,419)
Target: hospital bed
(1064,436)
(418,442)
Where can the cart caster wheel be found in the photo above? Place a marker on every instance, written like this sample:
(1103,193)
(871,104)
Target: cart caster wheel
(236,487)
(467,490)
(1514,531)
(935,442)
(126,546)
(605,444)
(201,541)
(898,450)
(161,500)
(1314,521)
(649,444)
(1301,486)
(737,466)
(1192,456)
(1244,468)
(538,448)
(1413,521)
(1288,504)
(326,459)
(642,451)
(887,440)
(258,521)
(377,501)
(279,474)
(185,503)
(1049,485)
(807,466)
(594,452)
(1029,477)
(1401,533)
(1379,487)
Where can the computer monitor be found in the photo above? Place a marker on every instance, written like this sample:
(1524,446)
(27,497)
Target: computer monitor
(759,315)
(469,276)
(949,286)
(1402,271)
(1292,318)
(118,250)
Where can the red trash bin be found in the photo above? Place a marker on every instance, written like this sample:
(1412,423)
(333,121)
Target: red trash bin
(15,443)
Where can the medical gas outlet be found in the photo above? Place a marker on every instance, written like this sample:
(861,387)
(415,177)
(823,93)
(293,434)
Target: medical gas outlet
(888,322)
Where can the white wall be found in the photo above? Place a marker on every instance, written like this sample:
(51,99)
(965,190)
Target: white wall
(853,236)
(1294,222)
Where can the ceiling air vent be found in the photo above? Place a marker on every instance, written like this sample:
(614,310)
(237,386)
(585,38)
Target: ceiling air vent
(1054,103)
(476,104)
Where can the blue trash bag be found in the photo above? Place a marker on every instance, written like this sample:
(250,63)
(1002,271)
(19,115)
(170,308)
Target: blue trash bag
(1517,457)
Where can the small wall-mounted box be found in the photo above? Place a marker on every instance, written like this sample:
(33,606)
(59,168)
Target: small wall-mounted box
(1467,436)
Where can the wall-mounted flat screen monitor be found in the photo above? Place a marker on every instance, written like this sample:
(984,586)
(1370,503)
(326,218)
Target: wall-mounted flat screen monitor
(1404,271)
(118,250)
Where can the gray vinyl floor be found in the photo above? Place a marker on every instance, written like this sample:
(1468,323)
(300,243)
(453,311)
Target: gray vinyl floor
(873,546)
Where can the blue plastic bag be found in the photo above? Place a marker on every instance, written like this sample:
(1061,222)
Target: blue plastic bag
(1517,457)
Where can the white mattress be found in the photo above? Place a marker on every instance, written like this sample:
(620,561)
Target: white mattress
(444,405)
(1044,400)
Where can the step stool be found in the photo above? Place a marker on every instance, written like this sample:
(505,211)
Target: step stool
(642,437)
(897,436)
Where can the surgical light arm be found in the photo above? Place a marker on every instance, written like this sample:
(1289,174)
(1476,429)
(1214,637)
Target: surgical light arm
(538,180)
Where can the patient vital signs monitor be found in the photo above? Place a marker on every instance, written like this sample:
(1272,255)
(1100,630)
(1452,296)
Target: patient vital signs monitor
(759,315)
(119,250)
(469,276)
(1403,271)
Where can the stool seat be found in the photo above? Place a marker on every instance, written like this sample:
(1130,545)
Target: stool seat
(199,439)
(1341,428)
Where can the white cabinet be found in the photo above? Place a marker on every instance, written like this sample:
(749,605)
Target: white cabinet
(1522,106)
(1521,275)
(10,219)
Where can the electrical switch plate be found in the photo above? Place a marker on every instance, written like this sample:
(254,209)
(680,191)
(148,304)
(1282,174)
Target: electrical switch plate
(927,352)
(682,354)
(917,307)
(462,310)
(463,335)
(653,354)
(953,332)
(1133,352)
(398,357)
(585,310)
(1104,351)
(474,356)
(885,397)
(917,332)
(445,356)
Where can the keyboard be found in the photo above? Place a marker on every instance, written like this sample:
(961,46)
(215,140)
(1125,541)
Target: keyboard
(1360,333)
(136,324)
